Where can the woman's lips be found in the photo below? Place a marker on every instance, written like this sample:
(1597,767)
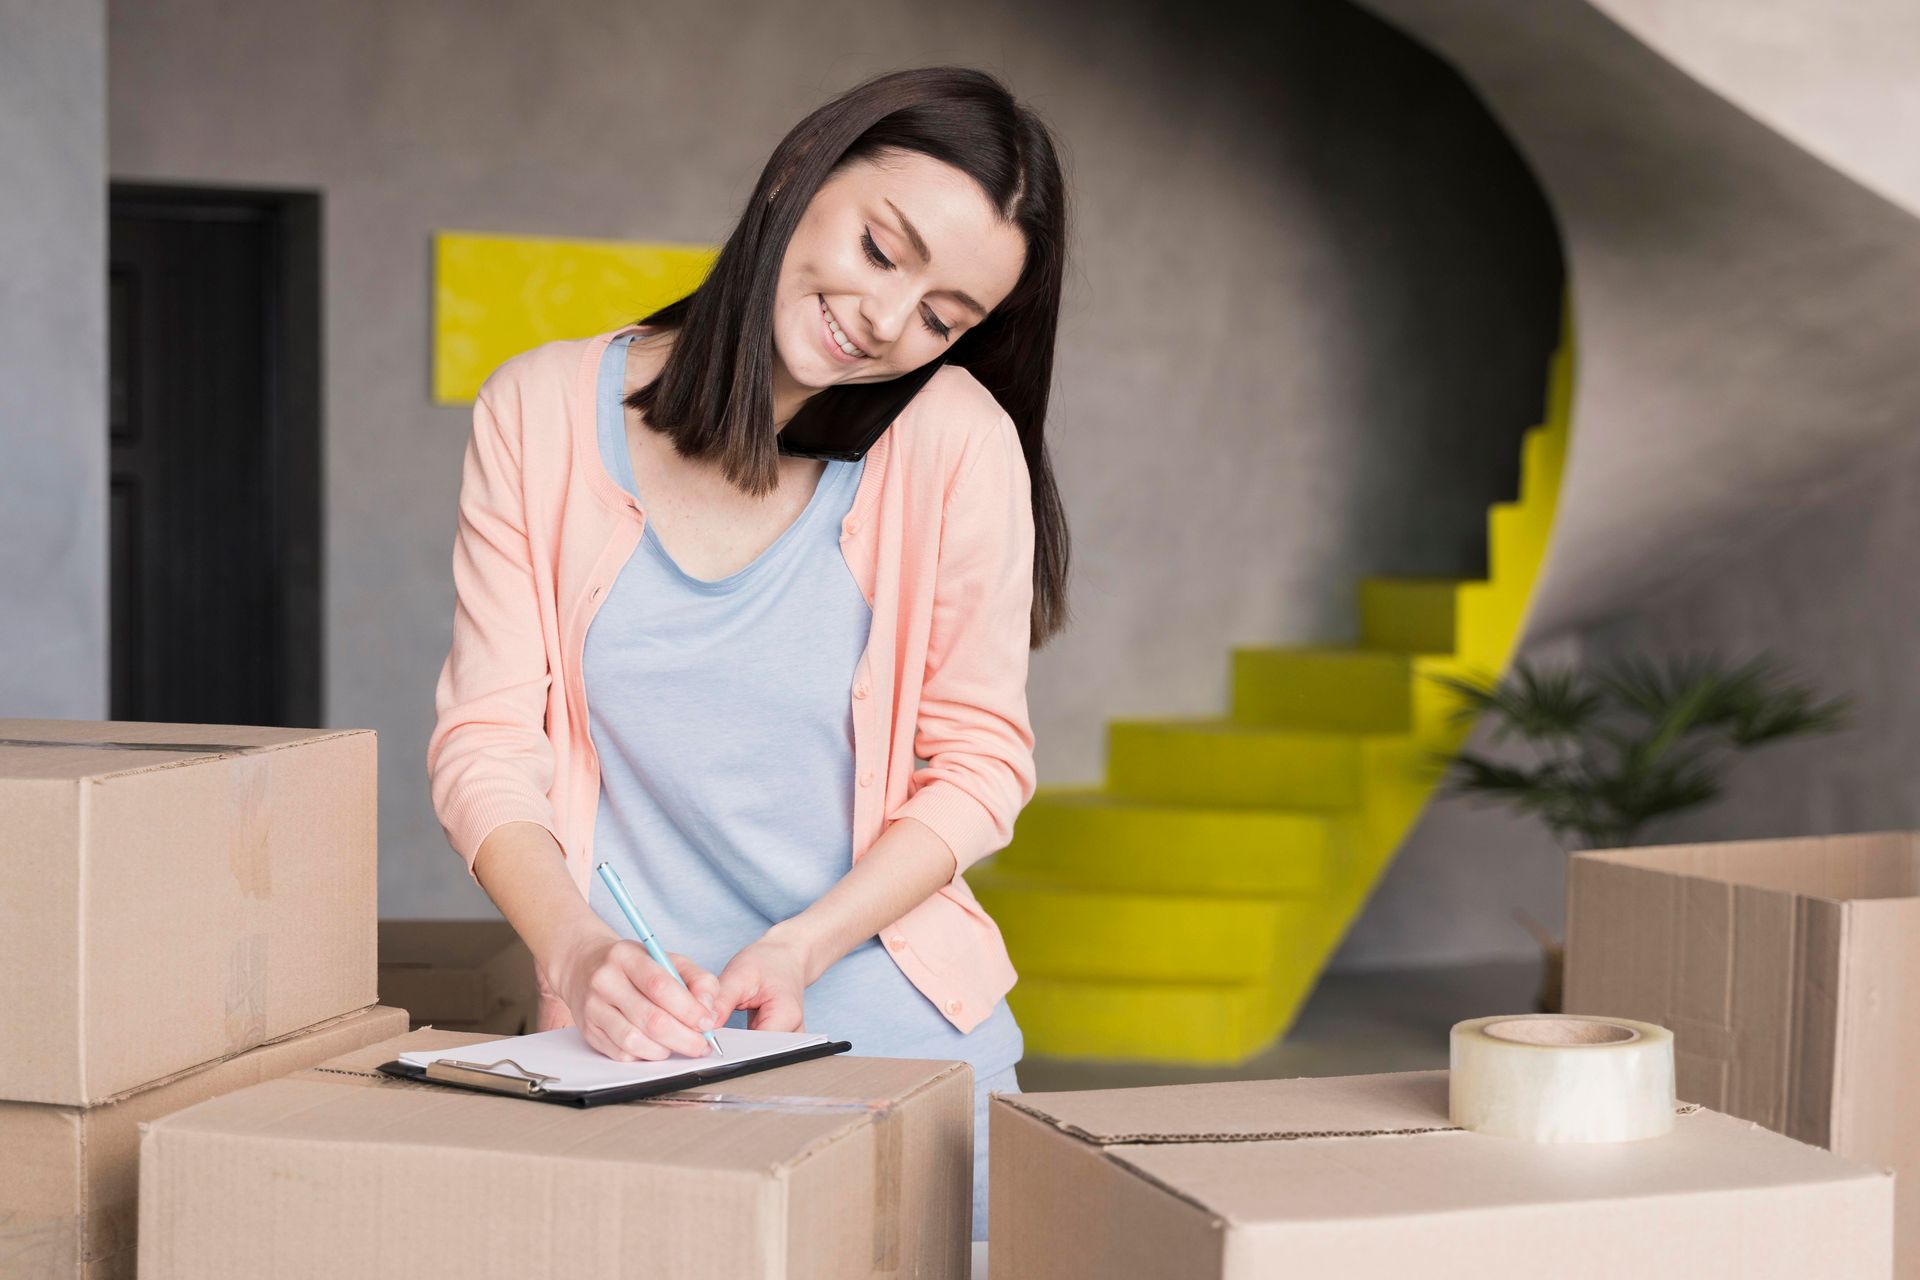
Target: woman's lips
(833,343)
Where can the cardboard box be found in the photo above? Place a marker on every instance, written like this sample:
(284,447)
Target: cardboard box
(1363,1178)
(68,1183)
(172,894)
(833,1168)
(1789,973)
(459,975)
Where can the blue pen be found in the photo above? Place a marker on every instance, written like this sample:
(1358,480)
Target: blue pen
(647,940)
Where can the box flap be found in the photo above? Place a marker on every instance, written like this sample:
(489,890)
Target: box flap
(101,748)
(1877,864)
(1358,1147)
(1249,1110)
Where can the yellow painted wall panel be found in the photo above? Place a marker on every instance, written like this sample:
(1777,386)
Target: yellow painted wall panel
(495,296)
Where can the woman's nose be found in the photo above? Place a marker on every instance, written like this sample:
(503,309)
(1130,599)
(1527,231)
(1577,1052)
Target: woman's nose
(886,315)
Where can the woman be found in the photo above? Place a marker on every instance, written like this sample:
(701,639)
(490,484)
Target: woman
(684,648)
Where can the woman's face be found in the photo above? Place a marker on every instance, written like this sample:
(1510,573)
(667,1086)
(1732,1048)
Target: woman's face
(854,263)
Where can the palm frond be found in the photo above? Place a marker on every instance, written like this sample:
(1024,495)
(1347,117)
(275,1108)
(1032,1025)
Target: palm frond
(1534,704)
(1636,741)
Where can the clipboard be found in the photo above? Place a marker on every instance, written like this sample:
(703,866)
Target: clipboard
(509,1078)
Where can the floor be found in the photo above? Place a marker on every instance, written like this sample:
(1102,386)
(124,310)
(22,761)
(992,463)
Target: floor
(1353,1024)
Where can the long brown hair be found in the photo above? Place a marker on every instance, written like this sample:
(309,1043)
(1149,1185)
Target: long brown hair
(714,394)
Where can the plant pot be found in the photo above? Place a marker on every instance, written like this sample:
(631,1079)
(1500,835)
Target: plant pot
(1552,970)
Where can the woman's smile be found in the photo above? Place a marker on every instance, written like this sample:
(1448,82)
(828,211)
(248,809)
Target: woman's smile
(835,336)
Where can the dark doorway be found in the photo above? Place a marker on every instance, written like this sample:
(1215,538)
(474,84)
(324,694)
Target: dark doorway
(214,427)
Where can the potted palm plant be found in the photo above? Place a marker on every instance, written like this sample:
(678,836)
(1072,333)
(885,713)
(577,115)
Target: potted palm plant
(1606,752)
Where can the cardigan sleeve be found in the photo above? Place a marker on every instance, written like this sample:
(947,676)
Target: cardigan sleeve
(488,758)
(973,728)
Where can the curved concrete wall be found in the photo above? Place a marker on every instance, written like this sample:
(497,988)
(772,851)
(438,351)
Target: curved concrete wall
(1745,313)
(1745,461)
(1841,80)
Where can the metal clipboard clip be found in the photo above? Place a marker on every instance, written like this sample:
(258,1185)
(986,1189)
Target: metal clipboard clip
(483,1075)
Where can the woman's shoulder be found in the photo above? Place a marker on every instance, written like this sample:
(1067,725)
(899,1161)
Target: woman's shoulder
(547,370)
(530,396)
(950,420)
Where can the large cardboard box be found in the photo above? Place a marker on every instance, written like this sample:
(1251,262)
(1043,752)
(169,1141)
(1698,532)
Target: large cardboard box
(834,1168)
(1789,973)
(171,894)
(69,1175)
(1364,1178)
(459,975)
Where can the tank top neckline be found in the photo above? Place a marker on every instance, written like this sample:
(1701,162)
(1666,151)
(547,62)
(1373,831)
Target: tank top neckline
(613,440)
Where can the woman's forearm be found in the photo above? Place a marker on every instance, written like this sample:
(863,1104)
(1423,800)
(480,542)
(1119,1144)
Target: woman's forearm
(905,866)
(524,872)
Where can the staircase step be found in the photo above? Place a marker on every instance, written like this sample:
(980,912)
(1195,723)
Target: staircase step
(1328,690)
(1410,615)
(1091,838)
(1543,456)
(1517,542)
(1198,1023)
(1061,932)
(1214,762)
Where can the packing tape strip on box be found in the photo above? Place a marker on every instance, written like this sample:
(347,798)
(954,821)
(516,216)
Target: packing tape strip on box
(191,748)
(1549,1077)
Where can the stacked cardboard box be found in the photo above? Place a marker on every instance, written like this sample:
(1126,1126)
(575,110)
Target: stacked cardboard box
(833,1168)
(459,975)
(1365,1178)
(68,1179)
(183,909)
(1789,973)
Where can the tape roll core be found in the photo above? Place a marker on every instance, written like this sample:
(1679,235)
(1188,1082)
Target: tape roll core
(1554,1078)
(1560,1031)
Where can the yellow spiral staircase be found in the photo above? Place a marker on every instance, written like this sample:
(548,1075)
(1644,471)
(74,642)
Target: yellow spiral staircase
(1183,911)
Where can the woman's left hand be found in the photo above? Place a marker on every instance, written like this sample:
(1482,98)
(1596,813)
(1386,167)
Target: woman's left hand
(770,978)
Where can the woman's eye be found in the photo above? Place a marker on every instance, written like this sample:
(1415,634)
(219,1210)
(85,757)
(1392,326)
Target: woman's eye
(879,259)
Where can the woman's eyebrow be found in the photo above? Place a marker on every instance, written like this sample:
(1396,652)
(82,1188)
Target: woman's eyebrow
(926,255)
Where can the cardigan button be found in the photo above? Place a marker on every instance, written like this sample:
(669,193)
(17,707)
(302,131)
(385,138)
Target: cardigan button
(866,779)
(897,942)
(859,691)
(852,526)
(954,1006)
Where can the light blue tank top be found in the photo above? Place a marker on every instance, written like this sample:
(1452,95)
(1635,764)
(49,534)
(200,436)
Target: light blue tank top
(721,712)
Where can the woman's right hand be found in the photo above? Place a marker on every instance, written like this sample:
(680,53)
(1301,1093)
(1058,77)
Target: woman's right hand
(629,1008)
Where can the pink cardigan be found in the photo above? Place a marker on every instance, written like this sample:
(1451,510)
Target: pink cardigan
(940,541)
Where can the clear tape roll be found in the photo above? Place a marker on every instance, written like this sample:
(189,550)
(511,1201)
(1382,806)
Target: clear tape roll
(1548,1077)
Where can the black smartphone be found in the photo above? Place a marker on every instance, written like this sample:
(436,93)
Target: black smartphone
(845,425)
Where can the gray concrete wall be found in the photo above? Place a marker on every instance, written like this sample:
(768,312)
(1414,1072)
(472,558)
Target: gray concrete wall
(53,359)
(1833,591)
(1313,296)
(1744,311)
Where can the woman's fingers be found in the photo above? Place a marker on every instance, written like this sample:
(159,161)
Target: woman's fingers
(613,1036)
(644,995)
(659,986)
(705,987)
(736,989)
(779,1011)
